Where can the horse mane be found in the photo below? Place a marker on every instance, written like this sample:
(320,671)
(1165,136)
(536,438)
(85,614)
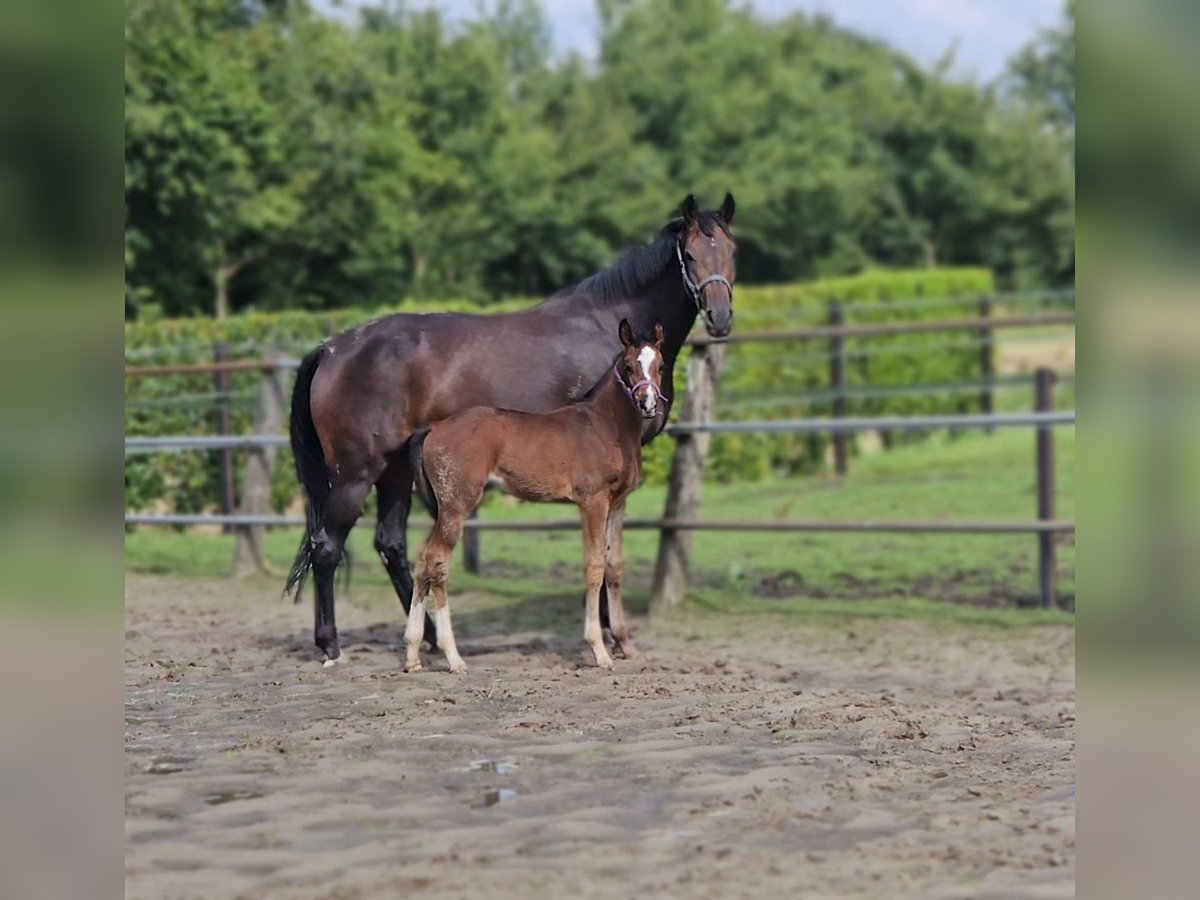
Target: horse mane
(638,268)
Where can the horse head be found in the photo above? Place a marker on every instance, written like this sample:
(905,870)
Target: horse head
(706,251)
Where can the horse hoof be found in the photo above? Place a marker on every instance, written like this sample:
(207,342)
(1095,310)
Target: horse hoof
(414,668)
(330,663)
(459,669)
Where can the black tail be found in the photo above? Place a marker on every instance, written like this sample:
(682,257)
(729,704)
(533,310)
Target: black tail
(310,469)
(416,455)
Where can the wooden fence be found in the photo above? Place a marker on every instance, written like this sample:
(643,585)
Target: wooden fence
(248,516)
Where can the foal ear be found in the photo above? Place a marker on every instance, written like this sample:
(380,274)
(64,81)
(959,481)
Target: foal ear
(690,209)
(625,333)
(659,335)
(727,208)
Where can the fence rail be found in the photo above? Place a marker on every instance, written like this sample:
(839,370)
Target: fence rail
(769,426)
(883,329)
(877,423)
(816,332)
(207,368)
(898,526)
(204,442)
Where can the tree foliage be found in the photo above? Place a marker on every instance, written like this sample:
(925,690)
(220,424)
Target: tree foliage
(278,158)
(1043,72)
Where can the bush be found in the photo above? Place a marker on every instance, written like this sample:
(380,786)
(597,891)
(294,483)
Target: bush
(792,380)
(760,380)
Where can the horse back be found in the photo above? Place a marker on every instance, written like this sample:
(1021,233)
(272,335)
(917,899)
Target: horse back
(380,382)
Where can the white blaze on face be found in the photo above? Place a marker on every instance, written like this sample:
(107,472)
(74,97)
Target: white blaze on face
(646,358)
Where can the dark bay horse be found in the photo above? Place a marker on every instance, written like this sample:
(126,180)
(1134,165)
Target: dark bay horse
(361,395)
(588,453)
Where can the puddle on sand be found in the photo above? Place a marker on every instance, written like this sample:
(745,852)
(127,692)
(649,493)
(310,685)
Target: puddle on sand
(229,796)
(499,766)
(165,765)
(491,798)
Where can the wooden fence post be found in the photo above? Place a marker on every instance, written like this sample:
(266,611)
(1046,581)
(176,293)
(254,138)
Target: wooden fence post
(687,474)
(471,545)
(837,383)
(1047,562)
(270,418)
(987,362)
(224,429)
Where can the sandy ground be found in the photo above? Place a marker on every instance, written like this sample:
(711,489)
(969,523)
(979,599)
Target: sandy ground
(878,759)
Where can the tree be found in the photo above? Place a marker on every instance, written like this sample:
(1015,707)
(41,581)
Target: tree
(277,158)
(209,187)
(1042,73)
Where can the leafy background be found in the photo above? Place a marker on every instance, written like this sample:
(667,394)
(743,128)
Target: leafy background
(276,158)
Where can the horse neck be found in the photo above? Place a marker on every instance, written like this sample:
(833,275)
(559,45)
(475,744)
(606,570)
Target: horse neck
(611,403)
(665,300)
(679,314)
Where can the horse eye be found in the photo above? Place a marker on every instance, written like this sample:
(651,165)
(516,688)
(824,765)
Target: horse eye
(688,256)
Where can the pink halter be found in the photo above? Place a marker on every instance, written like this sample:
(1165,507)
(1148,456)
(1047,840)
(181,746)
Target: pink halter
(630,390)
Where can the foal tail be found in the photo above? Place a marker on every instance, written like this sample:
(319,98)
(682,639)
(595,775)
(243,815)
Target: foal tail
(416,455)
(310,469)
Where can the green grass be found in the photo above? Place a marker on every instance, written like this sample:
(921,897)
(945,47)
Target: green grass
(970,476)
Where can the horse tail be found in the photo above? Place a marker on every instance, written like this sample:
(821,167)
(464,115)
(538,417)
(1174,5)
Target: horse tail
(416,455)
(311,469)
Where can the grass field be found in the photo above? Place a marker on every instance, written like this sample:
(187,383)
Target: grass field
(969,476)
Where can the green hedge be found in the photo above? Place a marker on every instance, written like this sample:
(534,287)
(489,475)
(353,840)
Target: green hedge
(760,380)
(792,380)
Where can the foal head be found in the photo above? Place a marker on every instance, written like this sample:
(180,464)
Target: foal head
(706,260)
(639,369)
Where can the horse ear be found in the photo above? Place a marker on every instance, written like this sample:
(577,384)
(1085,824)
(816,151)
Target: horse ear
(625,333)
(727,208)
(659,335)
(690,209)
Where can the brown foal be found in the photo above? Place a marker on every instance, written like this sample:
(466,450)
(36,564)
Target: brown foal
(588,453)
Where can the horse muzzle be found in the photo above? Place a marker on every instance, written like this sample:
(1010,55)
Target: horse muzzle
(718,322)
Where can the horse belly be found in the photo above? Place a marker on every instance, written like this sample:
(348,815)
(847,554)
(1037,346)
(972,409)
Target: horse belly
(541,486)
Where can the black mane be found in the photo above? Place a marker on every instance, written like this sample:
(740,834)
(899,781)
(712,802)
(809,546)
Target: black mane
(638,268)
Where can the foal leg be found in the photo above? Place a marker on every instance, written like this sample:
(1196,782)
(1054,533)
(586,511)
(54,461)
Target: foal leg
(445,629)
(595,516)
(341,512)
(414,629)
(394,495)
(613,576)
(432,575)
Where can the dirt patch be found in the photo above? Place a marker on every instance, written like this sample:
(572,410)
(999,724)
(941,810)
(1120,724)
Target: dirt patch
(890,759)
(985,588)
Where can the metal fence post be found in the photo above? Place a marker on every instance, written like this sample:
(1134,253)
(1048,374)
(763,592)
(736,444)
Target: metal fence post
(1047,562)
(837,384)
(270,418)
(224,428)
(687,474)
(987,361)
